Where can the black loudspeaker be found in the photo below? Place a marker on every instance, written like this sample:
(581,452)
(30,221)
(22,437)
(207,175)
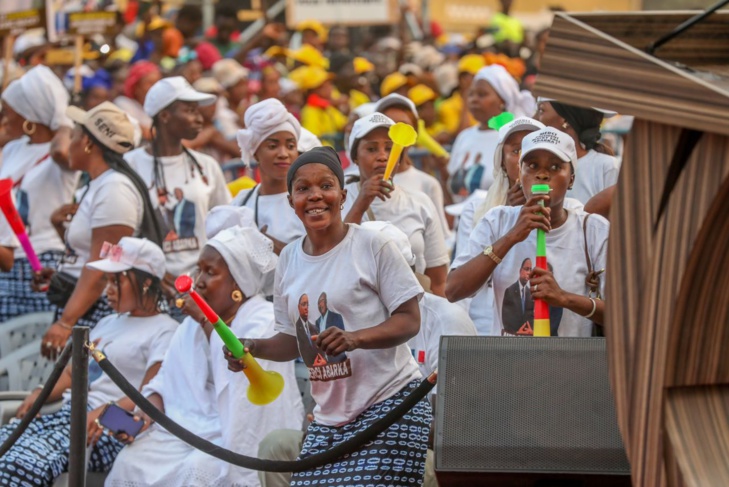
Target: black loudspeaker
(518,411)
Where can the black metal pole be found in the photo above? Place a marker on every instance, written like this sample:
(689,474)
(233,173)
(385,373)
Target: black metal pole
(79,400)
(685,26)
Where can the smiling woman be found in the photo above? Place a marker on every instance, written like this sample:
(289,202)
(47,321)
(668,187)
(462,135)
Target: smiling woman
(354,340)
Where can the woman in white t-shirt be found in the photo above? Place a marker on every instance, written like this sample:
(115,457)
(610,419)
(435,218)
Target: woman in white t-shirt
(596,168)
(135,339)
(492,92)
(183,184)
(270,139)
(34,109)
(502,249)
(400,109)
(232,272)
(113,205)
(375,199)
(354,338)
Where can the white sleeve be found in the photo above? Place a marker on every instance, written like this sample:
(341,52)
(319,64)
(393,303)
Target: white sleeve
(453,161)
(280,301)
(220,194)
(481,237)
(465,227)
(396,282)
(7,236)
(436,252)
(116,203)
(159,346)
(610,173)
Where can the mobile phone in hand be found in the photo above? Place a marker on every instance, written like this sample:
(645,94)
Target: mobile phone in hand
(119,420)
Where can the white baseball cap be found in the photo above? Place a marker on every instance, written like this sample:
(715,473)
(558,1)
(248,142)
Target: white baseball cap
(395,100)
(552,140)
(364,126)
(131,253)
(521,124)
(169,90)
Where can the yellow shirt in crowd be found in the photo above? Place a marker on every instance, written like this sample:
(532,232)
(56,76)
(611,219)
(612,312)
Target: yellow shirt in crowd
(450,113)
(323,121)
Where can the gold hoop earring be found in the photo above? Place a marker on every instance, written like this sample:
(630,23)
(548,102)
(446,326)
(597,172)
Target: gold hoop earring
(26,127)
(565,126)
(341,207)
(236,296)
(87,149)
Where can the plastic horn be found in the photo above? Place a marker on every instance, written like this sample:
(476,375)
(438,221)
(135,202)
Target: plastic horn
(265,386)
(402,135)
(428,142)
(541,308)
(16,223)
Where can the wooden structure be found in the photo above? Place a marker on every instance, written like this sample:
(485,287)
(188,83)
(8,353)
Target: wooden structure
(668,287)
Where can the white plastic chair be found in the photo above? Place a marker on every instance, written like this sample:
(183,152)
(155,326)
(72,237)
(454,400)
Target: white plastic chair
(23,329)
(24,369)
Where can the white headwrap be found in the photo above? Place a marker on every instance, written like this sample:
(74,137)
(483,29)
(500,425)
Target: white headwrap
(308,141)
(226,216)
(520,103)
(249,255)
(262,120)
(39,97)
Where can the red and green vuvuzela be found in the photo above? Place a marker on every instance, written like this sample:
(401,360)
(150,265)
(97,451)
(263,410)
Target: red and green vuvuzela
(541,308)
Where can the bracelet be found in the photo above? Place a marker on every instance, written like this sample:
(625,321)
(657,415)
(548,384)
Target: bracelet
(60,323)
(594,307)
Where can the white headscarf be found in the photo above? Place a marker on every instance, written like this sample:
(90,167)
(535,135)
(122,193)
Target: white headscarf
(39,97)
(249,256)
(262,120)
(222,217)
(308,141)
(520,103)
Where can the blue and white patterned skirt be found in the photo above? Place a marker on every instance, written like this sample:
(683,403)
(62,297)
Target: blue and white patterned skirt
(41,454)
(98,310)
(396,457)
(16,296)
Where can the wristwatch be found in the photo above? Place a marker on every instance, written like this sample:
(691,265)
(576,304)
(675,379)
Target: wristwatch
(489,252)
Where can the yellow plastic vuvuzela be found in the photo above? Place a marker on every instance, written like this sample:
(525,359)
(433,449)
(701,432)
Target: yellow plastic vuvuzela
(402,135)
(426,141)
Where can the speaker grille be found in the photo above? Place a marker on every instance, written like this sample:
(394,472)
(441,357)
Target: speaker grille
(526,405)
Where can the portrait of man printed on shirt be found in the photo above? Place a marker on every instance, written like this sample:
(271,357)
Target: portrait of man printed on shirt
(321,366)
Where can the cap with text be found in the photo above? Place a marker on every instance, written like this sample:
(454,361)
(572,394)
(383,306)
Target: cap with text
(108,124)
(364,126)
(552,140)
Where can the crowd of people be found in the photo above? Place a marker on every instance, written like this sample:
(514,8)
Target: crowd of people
(257,168)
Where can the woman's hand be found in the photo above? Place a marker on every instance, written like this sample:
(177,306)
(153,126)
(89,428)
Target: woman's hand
(545,287)
(236,364)
(515,195)
(532,216)
(93,428)
(64,214)
(334,341)
(374,187)
(27,403)
(139,416)
(190,308)
(42,279)
(55,340)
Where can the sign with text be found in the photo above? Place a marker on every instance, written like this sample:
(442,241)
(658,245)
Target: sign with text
(15,23)
(342,12)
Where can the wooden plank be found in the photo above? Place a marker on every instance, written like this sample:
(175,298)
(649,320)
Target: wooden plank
(585,67)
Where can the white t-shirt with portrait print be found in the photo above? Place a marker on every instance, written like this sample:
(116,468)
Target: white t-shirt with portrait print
(593,173)
(44,187)
(565,253)
(273,211)
(414,214)
(189,199)
(109,199)
(471,164)
(133,345)
(364,279)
